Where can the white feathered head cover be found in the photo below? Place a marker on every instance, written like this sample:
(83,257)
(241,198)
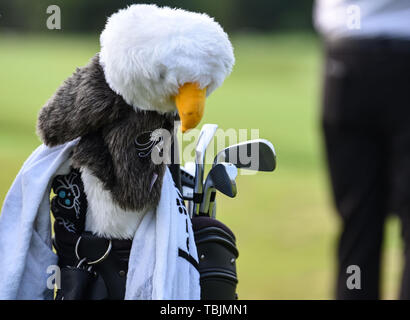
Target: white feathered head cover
(149,53)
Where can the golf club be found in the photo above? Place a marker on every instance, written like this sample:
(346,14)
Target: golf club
(257,155)
(260,154)
(222,178)
(205,137)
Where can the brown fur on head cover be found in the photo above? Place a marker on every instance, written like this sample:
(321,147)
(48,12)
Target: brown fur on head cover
(84,106)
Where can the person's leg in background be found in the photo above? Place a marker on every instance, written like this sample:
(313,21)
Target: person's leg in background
(400,165)
(397,101)
(359,191)
(400,198)
(357,165)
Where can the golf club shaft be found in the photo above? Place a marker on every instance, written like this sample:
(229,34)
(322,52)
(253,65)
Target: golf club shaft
(212,206)
(205,137)
(204,208)
(198,188)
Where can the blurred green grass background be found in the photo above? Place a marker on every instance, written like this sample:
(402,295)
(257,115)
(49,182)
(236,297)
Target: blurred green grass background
(284,221)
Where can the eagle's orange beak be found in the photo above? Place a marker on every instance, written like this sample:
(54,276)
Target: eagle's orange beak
(190,102)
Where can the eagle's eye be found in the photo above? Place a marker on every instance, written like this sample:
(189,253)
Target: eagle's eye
(162,73)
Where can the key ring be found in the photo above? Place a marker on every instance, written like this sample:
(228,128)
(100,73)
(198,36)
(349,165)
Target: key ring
(95,261)
(80,263)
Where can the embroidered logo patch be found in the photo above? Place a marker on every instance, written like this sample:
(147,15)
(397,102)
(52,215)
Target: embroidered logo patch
(147,141)
(69,206)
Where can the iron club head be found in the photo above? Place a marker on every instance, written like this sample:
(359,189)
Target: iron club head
(258,155)
(222,178)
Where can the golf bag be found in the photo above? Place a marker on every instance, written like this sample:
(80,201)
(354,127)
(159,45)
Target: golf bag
(106,280)
(217,255)
(217,251)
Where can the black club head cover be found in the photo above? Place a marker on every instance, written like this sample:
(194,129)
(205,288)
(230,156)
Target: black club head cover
(69,205)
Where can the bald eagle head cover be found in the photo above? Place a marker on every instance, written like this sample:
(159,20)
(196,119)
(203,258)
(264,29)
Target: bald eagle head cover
(156,65)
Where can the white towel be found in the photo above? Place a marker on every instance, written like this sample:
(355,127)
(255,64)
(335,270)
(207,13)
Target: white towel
(163,259)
